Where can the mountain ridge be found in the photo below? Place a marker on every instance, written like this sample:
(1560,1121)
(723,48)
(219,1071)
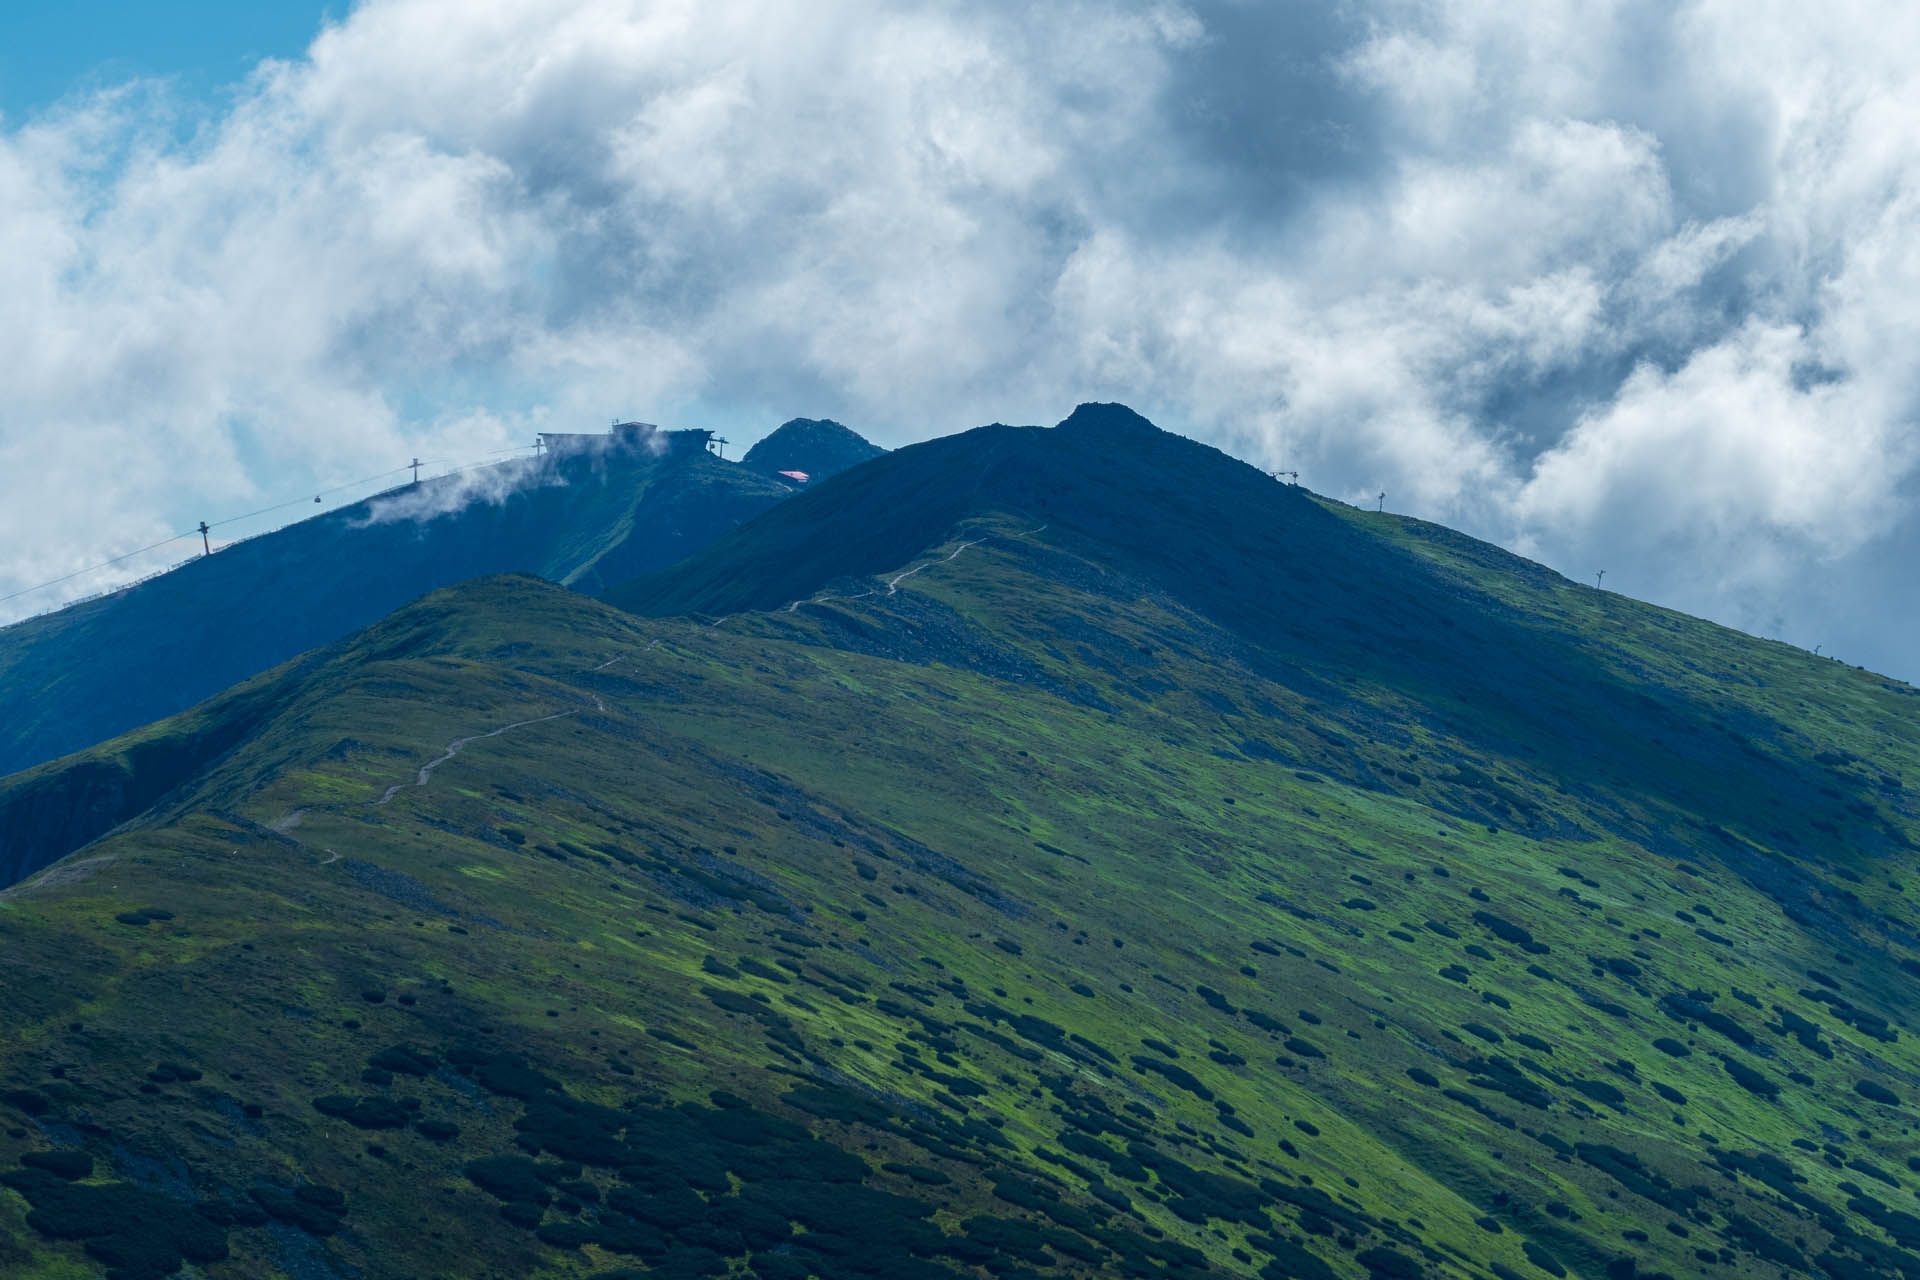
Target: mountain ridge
(1380,613)
(99,668)
(1030,904)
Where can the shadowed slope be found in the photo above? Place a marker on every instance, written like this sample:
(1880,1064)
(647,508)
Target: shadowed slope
(88,672)
(1011,910)
(1552,684)
(819,447)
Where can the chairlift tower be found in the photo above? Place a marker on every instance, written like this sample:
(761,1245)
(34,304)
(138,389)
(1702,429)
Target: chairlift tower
(205,546)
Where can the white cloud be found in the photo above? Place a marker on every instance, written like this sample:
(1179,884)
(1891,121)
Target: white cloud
(1723,448)
(1610,281)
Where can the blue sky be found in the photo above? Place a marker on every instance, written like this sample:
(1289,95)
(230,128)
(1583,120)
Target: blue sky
(1618,284)
(48,49)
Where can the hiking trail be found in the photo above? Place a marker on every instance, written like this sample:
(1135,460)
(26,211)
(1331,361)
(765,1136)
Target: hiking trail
(453,749)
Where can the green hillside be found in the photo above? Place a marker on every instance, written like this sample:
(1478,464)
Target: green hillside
(1049,853)
(588,519)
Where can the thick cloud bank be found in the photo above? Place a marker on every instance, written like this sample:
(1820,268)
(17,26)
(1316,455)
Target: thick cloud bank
(1626,286)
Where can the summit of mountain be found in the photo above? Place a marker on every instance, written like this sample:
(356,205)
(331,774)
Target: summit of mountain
(815,447)
(1040,852)
(1327,600)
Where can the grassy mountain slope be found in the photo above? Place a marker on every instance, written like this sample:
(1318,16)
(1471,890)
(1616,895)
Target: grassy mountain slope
(51,810)
(1071,896)
(1385,629)
(97,669)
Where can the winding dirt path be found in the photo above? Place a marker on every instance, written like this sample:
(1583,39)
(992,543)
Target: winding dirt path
(893,583)
(622,656)
(453,749)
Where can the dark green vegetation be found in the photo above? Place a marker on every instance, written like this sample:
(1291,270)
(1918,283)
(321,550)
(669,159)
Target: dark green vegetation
(1051,853)
(98,669)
